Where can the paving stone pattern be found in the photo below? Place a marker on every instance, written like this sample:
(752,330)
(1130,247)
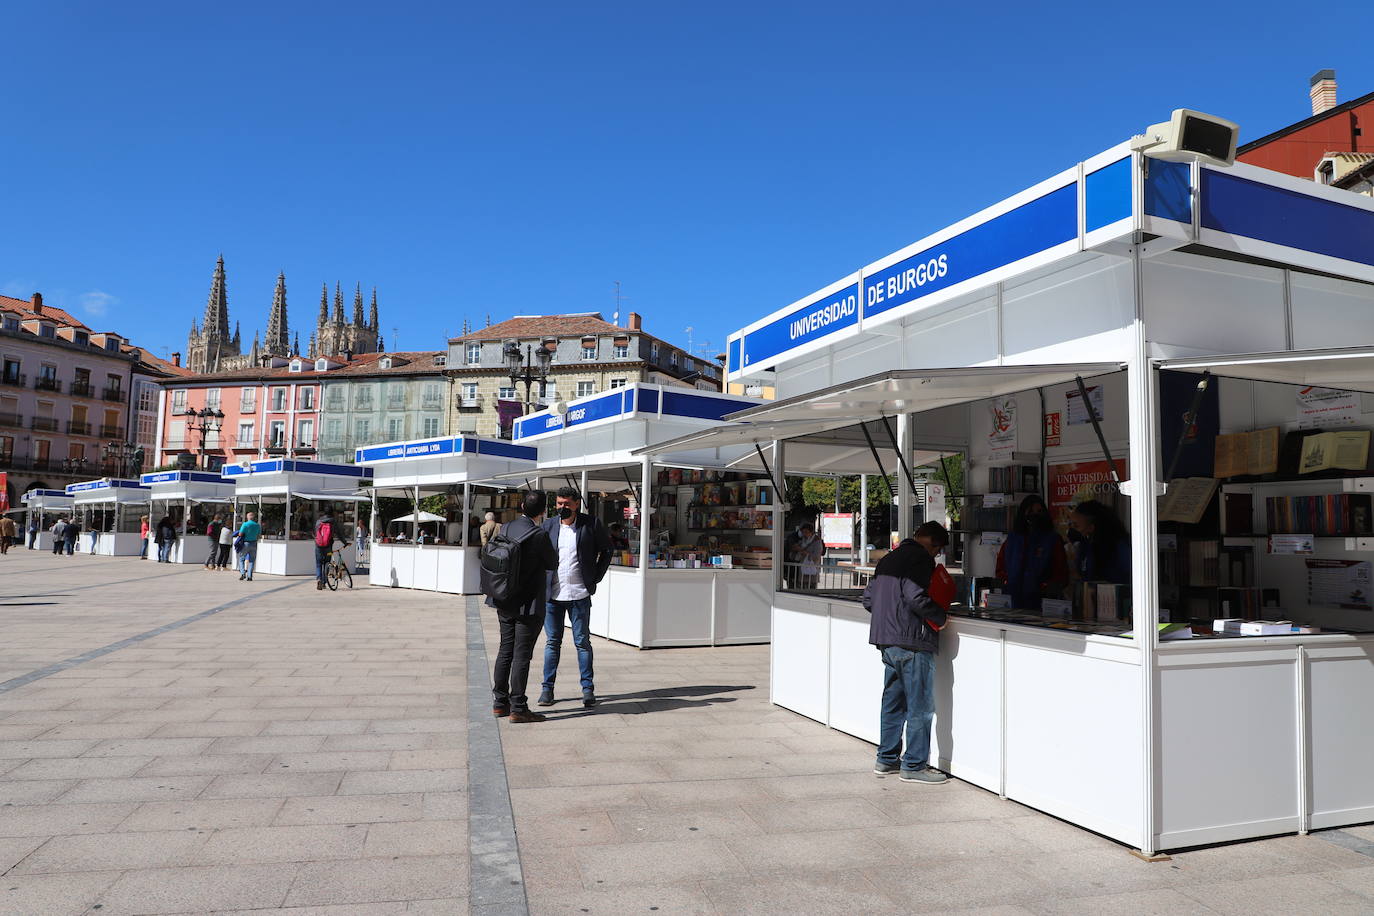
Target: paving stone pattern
(311,752)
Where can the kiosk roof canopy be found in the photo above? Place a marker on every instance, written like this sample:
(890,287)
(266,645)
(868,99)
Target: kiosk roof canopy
(1350,368)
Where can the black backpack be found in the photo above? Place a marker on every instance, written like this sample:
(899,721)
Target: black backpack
(501,560)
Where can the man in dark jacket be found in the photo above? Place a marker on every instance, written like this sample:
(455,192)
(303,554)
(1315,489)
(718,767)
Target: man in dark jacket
(520,619)
(584,554)
(905,628)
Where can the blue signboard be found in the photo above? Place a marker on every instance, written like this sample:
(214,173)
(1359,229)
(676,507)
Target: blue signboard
(422,449)
(180,476)
(308,467)
(1266,213)
(501,449)
(815,320)
(1107,195)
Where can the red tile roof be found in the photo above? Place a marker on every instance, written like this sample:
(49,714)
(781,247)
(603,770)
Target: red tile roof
(543,326)
(51,313)
(418,362)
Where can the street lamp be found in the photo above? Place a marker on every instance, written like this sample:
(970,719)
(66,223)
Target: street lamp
(126,457)
(204,421)
(531,366)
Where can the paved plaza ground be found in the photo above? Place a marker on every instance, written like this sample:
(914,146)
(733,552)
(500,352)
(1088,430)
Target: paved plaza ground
(176,741)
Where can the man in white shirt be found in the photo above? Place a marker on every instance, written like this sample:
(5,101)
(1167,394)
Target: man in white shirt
(584,554)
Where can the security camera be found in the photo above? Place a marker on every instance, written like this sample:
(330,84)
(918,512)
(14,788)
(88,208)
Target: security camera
(1190,136)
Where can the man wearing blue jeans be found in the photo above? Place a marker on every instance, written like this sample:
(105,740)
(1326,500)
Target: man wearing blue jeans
(250,531)
(584,554)
(905,628)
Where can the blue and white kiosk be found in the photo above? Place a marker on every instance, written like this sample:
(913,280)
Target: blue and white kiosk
(110,511)
(427,550)
(695,572)
(1114,312)
(287,496)
(191,499)
(45,506)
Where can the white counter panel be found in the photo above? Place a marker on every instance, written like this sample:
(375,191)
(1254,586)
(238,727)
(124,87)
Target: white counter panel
(114,544)
(678,607)
(192,549)
(1341,742)
(801,656)
(626,603)
(744,606)
(967,741)
(855,673)
(293,558)
(600,624)
(393,565)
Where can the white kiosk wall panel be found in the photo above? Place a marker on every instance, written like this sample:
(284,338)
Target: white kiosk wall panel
(855,674)
(625,599)
(1046,318)
(1193,302)
(967,740)
(801,656)
(964,336)
(1340,734)
(1328,312)
(392,566)
(741,606)
(679,616)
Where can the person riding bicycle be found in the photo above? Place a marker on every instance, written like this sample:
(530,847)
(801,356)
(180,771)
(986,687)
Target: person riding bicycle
(324,548)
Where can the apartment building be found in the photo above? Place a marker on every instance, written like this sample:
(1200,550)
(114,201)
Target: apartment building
(589,354)
(383,397)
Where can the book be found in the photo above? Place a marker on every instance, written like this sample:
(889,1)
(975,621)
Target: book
(1246,454)
(1346,450)
(1187,499)
(1329,515)
(1266,628)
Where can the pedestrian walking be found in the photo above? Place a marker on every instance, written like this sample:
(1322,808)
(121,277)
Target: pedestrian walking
(9,533)
(249,532)
(489,528)
(584,555)
(516,562)
(166,537)
(70,534)
(59,535)
(212,531)
(34,528)
(143,532)
(324,547)
(907,598)
(226,545)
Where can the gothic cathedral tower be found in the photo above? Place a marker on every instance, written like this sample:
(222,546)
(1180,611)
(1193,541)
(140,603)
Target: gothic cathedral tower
(210,345)
(335,336)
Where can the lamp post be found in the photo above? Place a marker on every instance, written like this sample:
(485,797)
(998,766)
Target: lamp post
(204,421)
(123,455)
(531,366)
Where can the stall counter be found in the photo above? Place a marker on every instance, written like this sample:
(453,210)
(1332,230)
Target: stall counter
(294,558)
(683,607)
(434,567)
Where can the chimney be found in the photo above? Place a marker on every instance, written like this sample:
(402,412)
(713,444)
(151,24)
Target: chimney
(636,323)
(38,303)
(176,359)
(1323,91)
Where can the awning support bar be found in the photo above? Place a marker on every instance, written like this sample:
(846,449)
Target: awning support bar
(887,481)
(1189,419)
(767,470)
(633,492)
(1097,428)
(901,459)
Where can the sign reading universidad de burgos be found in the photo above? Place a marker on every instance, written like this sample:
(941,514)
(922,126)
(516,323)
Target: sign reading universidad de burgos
(812,321)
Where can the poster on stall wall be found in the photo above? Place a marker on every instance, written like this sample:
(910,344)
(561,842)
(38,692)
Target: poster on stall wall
(1002,439)
(4,491)
(1340,583)
(1323,407)
(837,529)
(1078,481)
(1054,429)
(1078,411)
(935,504)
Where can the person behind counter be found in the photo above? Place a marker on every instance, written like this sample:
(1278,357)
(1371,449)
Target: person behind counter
(619,539)
(1104,551)
(1032,564)
(489,527)
(906,630)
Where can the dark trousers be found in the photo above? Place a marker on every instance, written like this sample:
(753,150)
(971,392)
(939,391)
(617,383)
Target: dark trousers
(222,558)
(518,633)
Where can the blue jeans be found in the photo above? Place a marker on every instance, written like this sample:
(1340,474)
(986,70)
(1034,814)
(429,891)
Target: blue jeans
(580,615)
(908,707)
(248,559)
(322,557)
(164,550)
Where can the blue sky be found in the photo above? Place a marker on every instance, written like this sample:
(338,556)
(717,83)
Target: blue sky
(719,159)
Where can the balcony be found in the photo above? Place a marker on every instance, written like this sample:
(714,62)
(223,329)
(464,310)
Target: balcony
(112,432)
(118,395)
(12,419)
(81,389)
(14,380)
(47,424)
(78,429)
(470,403)
(47,384)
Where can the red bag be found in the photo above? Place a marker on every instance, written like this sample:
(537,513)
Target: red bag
(324,534)
(942,588)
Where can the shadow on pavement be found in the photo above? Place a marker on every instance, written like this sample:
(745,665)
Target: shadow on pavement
(646,701)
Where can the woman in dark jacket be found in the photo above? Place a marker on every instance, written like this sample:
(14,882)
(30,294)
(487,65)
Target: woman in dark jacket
(165,536)
(1104,553)
(1032,564)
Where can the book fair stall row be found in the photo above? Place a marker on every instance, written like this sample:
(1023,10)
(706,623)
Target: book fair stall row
(191,499)
(111,512)
(287,497)
(691,535)
(428,502)
(46,507)
(1159,353)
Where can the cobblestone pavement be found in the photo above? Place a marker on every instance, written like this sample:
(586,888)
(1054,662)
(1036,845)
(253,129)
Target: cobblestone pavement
(176,741)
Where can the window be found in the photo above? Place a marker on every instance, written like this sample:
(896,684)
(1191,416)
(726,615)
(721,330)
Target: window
(395,428)
(176,434)
(506,393)
(147,397)
(396,395)
(585,389)
(333,430)
(6,449)
(384,362)
(362,432)
(441,360)
(653,352)
(147,431)
(278,399)
(362,399)
(622,349)
(245,438)
(589,349)
(178,398)
(305,434)
(474,354)
(431,427)
(617,383)
(277,437)
(47,330)
(296,365)
(11,371)
(112,343)
(81,337)
(307,399)
(321,365)
(550,392)
(469,391)
(11,324)
(433,394)
(212,398)
(76,452)
(672,359)
(42,450)
(248,400)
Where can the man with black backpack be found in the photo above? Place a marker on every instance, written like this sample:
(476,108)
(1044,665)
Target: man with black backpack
(515,566)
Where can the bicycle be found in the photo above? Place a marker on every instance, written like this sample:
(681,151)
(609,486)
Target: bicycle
(336,572)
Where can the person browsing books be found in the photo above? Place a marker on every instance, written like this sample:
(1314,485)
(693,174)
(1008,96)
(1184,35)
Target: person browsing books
(1032,563)
(1104,551)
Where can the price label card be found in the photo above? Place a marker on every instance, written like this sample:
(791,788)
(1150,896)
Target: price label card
(1292,544)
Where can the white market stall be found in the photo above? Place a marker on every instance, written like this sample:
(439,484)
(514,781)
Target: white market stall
(287,497)
(47,506)
(1052,336)
(427,550)
(111,511)
(191,499)
(697,574)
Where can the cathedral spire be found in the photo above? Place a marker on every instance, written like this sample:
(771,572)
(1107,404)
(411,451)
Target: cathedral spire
(238,345)
(358,307)
(296,347)
(313,353)
(278,335)
(324,303)
(338,304)
(381,344)
(217,305)
(372,320)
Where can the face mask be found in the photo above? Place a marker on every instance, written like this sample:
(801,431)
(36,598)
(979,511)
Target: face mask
(565,513)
